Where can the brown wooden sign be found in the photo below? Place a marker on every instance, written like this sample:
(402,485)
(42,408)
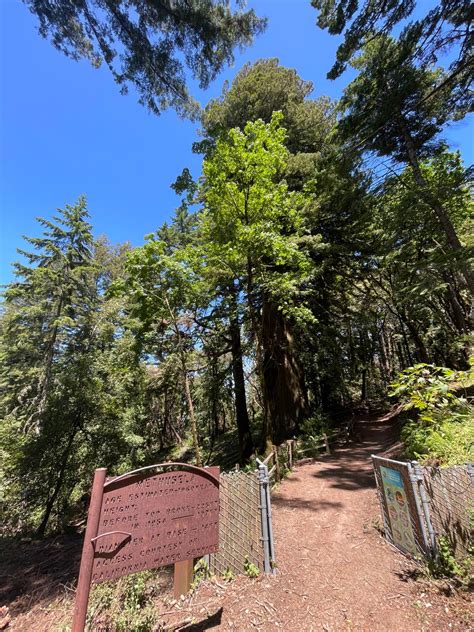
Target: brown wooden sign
(143,520)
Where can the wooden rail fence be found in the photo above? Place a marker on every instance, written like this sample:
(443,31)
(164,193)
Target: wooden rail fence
(282,458)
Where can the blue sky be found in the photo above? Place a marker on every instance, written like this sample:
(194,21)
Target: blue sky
(66,130)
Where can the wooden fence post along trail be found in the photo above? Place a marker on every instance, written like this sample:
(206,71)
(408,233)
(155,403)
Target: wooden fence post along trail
(145,519)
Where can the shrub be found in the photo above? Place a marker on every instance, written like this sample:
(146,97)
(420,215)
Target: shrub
(444,427)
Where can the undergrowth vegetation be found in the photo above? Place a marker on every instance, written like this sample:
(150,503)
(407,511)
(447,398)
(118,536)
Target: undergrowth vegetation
(126,605)
(442,432)
(445,565)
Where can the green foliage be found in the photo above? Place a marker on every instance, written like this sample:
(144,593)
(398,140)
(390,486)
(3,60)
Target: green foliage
(257,92)
(125,605)
(445,565)
(66,376)
(314,426)
(444,429)
(385,104)
(164,293)
(252,221)
(397,109)
(250,569)
(293,282)
(228,575)
(445,26)
(312,433)
(146,43)
(201,572)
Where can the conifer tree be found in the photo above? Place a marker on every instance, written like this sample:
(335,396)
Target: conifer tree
(68,381)
(149,44)
(46,308)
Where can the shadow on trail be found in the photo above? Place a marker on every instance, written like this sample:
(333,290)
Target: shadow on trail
(350,467)
(37,571)
(300,503)
(211,621)
(344,477)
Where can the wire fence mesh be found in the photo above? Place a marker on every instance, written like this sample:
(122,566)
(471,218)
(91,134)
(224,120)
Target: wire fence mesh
(240,524)
(450,493)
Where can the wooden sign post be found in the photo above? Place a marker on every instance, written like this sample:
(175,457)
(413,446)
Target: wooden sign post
(87,559)
(183,577)
(143,520)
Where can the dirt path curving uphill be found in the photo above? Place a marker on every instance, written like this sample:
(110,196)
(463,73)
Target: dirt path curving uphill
(335,570)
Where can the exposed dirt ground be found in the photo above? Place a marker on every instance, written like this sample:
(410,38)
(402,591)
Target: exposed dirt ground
(335,571)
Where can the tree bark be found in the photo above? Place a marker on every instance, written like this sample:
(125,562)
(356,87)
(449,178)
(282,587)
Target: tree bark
(241,412)
(284,385)
(457,312)
(187,387)
(192,416)
(421,352)
(363,388)
(59,482)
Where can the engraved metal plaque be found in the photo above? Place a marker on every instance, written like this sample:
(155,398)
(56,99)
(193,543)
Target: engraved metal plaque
(149,520)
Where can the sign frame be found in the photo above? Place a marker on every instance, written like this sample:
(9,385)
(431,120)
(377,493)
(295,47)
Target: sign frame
(183,569)
(403,470)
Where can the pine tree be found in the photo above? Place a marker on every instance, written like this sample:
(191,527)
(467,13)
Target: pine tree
(391,108)
(70,377)
(45,307)
(149,44)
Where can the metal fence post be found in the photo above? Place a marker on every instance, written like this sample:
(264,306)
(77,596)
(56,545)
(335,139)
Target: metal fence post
(418,471)
(263,480)
(423,517)
(470,471)
(270,529)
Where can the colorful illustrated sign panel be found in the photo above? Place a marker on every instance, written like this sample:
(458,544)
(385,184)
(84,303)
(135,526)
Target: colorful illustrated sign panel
(398,510)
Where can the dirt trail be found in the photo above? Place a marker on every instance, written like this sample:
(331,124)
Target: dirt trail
(335,570)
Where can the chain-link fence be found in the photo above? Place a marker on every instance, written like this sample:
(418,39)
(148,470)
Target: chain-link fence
(421,504)
(451,497)
(244,523)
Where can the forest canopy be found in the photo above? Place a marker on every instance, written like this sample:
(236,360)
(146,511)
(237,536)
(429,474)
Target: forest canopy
(149,44)
(320,263)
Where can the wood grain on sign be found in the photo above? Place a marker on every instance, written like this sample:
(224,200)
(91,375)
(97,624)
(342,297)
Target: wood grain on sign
(152,520)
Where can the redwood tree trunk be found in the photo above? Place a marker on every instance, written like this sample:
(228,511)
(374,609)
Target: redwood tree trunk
(241,413)
(284,386)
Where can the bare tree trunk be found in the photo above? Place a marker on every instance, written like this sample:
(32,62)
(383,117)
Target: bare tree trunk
(187,387)
(421,352)
(57,488)
(241,413)
(363,388)
(284,384)
(192,416)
